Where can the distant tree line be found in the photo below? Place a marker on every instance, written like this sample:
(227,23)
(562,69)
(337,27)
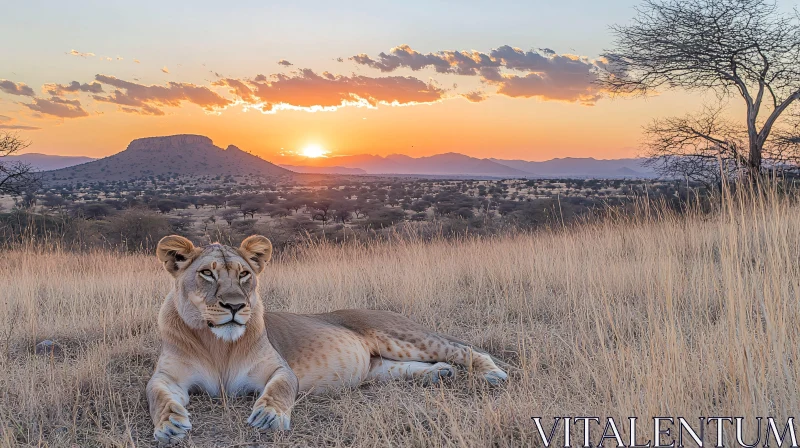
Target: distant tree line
(134,214)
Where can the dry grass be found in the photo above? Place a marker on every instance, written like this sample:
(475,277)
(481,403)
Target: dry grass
(678,316)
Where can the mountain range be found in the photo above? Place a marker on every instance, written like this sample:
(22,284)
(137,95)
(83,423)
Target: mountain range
(584,167)
(448,164)
(196,155)
(454,164)
(46,162)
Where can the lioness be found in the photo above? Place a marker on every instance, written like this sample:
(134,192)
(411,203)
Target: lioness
(218,339)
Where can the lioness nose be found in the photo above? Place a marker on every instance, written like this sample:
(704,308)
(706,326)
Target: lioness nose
(234,307)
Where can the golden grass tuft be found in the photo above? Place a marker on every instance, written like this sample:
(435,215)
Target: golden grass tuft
(675,315)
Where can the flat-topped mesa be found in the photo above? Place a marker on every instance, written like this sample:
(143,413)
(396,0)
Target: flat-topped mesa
(170,156)
(168,142)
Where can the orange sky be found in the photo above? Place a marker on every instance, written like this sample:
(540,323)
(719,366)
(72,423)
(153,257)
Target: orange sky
(500,127)
(321,76)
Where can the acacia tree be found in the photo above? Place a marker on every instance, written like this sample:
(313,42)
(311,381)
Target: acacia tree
(702,147)
(15,177)
(735,48)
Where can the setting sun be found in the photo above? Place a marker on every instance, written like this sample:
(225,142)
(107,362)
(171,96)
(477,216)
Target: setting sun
(313,151)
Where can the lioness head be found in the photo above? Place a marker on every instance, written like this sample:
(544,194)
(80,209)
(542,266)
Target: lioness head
(216,286)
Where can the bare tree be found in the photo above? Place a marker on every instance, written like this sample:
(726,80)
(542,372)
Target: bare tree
(744,48)
(15,177)
(703,147)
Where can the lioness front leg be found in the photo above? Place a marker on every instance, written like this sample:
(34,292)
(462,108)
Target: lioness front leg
(273,408)
(167,400)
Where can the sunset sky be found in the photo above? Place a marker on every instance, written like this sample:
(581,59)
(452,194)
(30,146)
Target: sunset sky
(487,79)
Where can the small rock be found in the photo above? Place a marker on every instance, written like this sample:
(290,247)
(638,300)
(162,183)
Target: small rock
(49,348)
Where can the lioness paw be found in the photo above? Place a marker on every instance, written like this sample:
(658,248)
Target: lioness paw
(495,377)
(438,371)
(174,426)
(267,418)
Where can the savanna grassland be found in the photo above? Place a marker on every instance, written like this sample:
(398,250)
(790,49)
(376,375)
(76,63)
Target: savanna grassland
(660,314)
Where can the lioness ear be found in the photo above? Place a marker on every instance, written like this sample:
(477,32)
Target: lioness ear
(175,252)
(257,250)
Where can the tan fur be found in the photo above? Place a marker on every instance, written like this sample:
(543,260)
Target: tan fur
(275,354)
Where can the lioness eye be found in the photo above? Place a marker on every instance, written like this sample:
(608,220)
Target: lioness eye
(243,274)
(207,273)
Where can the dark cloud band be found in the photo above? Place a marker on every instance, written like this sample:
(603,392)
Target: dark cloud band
(12,88)
(148,99)
(73,87)
(58,107)
(514,72)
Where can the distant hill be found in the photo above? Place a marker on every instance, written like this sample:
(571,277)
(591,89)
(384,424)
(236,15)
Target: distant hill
(454,164)
(449,164)
(176,155)
(46,162)
(322,169)
(583,167)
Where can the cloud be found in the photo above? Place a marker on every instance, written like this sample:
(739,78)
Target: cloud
(8,123)
(73,87)
(13,88)
(19,127)
(470,63)
(79,54)
(144,110)
(547,75)
(137,61)
(307,90)
(562,88)
(475,96)
(164,69)
(239,88)
(404,56)
(284,62)
(539,61)
(148,99)
(58,107)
